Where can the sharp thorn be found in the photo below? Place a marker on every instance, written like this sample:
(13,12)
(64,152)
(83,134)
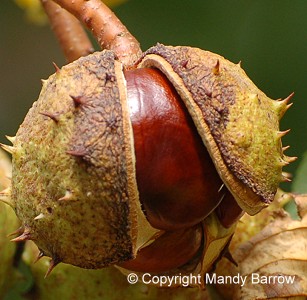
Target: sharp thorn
(52,116)
(12,139)
(285,148)
(283,163)
(280,134)
(282,105)
(53,263)
(56,67)
(216,68)
(39,256)
(184,63)
(286,177)
(68,196)
(78,100)
(9,149)
(289,105)
(78,153)
(285,100)
(283,109)
(22,238)
(110,77)
(240,64)
(288,98)
(43,81)
(40,216)
(286,174)
(20,230)
(254,97)
(290,159)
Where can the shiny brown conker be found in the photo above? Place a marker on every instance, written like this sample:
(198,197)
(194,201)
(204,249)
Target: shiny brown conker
(171,250)
(177,181)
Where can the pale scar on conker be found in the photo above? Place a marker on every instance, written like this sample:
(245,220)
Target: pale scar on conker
(74,184)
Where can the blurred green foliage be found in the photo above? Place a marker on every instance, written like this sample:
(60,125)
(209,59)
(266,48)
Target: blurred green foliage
(300,181)
(269,37)
(34,11)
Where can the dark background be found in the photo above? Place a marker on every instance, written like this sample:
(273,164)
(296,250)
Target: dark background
(269,37)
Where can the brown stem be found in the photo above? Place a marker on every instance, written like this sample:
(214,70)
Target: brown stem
(106,27)
(68,30)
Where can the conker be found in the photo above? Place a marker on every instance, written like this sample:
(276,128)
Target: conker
(169,251)
(177,181)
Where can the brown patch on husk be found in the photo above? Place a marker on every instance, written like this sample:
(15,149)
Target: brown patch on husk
(236,121)
(88,153)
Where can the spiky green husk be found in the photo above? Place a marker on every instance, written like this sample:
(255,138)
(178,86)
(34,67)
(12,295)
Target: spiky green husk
(73,185)
(238,123)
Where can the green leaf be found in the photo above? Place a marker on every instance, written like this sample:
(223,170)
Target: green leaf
(23,285)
